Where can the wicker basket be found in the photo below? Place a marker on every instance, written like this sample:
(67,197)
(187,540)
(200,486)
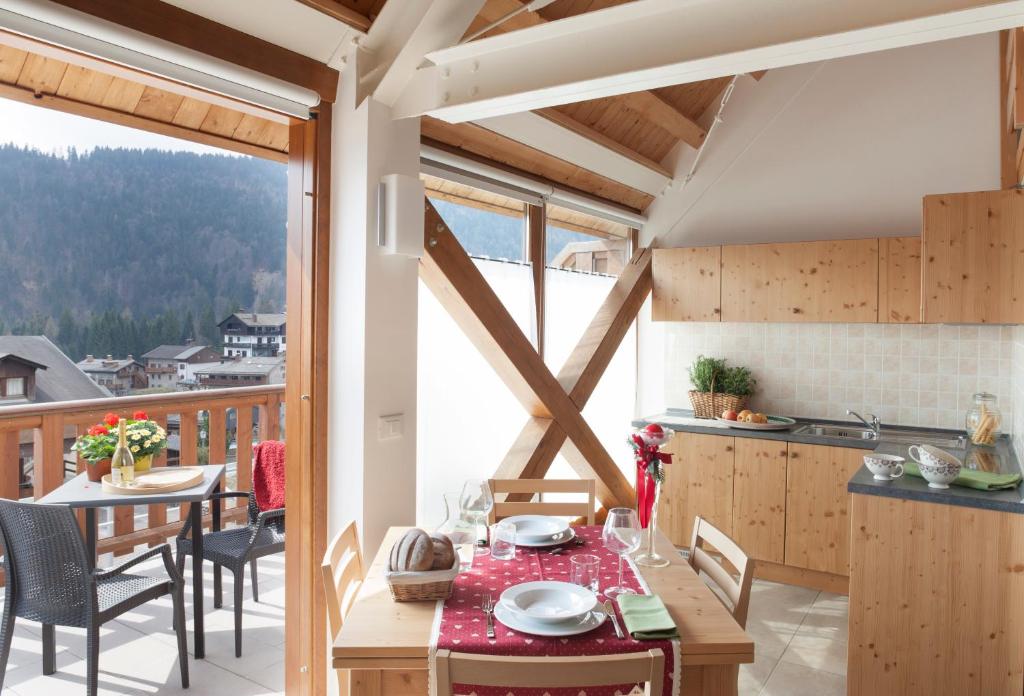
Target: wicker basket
(422,586)
(712,404)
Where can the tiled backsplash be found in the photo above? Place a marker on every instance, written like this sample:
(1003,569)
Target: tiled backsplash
(907,374)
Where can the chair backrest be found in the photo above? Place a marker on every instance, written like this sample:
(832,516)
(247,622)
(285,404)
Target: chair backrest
(45,562)
(343,573)
(737,590)
(519,488)
(550,672)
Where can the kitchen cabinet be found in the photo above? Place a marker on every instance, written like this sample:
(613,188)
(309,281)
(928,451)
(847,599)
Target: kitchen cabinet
(973,257)
(698,482)
(829,281)
(759,498)
(687,284)
(899,280)
(817,506)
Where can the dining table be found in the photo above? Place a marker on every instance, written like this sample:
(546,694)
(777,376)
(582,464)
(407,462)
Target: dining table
(385,645)
(82,494)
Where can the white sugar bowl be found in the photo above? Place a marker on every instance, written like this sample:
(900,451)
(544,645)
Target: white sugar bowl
(885,467)
(938,467)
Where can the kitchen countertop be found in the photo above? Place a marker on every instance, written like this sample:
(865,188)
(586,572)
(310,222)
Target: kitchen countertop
(906,487)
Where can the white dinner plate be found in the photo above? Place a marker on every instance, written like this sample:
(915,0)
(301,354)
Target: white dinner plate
(556,630)
(557,540)
(548,601)
(537,527)
(774,423)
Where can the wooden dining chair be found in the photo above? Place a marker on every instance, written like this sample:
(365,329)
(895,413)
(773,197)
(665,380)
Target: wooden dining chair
(537,488)
(343,573)
(549,672)
(736,590)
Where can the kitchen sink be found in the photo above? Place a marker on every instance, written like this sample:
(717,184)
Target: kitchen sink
(916,437)
(851,432)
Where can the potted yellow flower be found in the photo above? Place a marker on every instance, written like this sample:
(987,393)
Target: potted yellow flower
(145,439)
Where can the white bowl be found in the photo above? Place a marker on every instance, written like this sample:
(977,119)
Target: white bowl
(537,528)
(885,467)
(548,601)
(938,467)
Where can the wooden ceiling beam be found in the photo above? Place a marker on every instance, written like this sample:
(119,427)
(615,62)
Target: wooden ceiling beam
(340,12)
(658,111)
(460,287)
(169,23)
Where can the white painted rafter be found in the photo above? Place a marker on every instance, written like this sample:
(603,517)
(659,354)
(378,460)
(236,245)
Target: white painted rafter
(582,149)
(648,44)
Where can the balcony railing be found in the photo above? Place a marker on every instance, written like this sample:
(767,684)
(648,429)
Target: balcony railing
(53,427)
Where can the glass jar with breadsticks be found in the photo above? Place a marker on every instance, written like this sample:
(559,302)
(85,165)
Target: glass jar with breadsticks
(984,420)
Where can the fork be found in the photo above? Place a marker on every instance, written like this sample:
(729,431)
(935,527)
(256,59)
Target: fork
(488,608)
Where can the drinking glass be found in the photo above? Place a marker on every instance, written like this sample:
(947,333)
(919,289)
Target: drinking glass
(585,571)
(503,541)
(621,535)
(477,503)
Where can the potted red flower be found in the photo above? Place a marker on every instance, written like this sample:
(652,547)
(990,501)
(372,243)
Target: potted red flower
(145,439)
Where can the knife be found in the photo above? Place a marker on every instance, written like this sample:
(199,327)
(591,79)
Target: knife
(610,610)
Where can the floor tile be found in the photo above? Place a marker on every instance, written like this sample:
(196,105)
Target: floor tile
(793,680)
(817,652)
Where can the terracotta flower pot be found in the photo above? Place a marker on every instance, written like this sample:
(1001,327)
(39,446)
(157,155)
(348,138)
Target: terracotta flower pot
(97,470)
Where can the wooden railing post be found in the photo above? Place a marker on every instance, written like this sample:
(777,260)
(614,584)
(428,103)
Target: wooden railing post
(48,455)
(10,465)
(270,418)
(157,516)
(243,448)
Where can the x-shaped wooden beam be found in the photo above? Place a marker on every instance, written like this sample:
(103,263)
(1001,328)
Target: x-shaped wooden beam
(555,404)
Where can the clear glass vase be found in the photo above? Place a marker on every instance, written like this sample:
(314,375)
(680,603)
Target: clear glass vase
(461,531)
(650,557)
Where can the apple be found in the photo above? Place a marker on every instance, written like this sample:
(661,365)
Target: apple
(730,415)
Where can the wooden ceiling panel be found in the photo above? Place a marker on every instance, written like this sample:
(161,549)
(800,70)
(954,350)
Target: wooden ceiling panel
(84,85)
(159,104)
(480,141)
(41,74)
(123,95)
(11,62)
(221,121)
(694,98)
(615,120)
(191,113)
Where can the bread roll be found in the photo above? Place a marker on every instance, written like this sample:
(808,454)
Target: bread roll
(444,552)
(414,551)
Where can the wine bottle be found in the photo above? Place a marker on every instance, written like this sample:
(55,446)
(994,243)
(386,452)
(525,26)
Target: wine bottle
(122,462)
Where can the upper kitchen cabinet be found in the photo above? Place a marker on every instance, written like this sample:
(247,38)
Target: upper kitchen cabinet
(806,281)
(899,280)
(687,284)
(973,252)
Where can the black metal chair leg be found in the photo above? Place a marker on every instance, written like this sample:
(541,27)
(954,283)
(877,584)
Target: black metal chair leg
(92,659)
(239,586)
(49,649)
(255,581)
(218,591)
(178,599)
(6,637)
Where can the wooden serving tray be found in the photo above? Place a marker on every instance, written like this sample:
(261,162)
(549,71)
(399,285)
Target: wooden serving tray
(158,480)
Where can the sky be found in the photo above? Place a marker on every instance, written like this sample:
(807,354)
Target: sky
(54,131)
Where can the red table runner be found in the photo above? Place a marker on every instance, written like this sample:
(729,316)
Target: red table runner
(461,626)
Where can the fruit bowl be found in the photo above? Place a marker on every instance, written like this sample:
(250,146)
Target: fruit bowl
(772,423)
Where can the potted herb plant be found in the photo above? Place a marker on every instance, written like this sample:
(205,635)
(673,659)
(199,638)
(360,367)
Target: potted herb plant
(719,387)
(145,439)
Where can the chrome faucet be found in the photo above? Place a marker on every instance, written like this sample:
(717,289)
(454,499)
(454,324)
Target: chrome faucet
(875,424)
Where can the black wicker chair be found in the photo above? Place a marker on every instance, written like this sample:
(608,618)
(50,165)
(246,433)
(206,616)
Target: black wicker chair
(235,548)
(50,579)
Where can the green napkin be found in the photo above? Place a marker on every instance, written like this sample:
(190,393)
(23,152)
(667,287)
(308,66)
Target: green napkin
(646,617)
(971,478)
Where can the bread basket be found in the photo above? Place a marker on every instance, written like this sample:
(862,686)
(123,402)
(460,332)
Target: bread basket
(421,586)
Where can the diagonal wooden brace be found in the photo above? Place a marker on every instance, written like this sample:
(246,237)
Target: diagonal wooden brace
(460,287)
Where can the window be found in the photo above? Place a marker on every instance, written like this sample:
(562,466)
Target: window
(585,243)
(15,386)
(486,224)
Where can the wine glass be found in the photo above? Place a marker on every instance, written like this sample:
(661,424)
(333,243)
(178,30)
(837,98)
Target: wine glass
(477,503)
(621,535)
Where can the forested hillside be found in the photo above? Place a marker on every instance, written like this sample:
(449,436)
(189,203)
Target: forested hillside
(119,250)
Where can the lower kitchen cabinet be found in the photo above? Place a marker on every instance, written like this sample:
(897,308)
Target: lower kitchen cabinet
(759,498)
(698,482)
(817,506)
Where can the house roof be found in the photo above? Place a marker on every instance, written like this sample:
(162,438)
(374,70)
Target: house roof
(61,380)
(245,366)
(257,319)
(24,361)
(170,352)
(106,364)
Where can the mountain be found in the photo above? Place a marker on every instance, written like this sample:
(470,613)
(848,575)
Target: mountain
(144,237)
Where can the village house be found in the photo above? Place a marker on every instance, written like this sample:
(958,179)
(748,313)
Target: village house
(174,366)
(252,334)
(120,376)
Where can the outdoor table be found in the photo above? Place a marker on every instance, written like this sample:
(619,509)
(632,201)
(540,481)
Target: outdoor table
(82,493)
(386,644)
